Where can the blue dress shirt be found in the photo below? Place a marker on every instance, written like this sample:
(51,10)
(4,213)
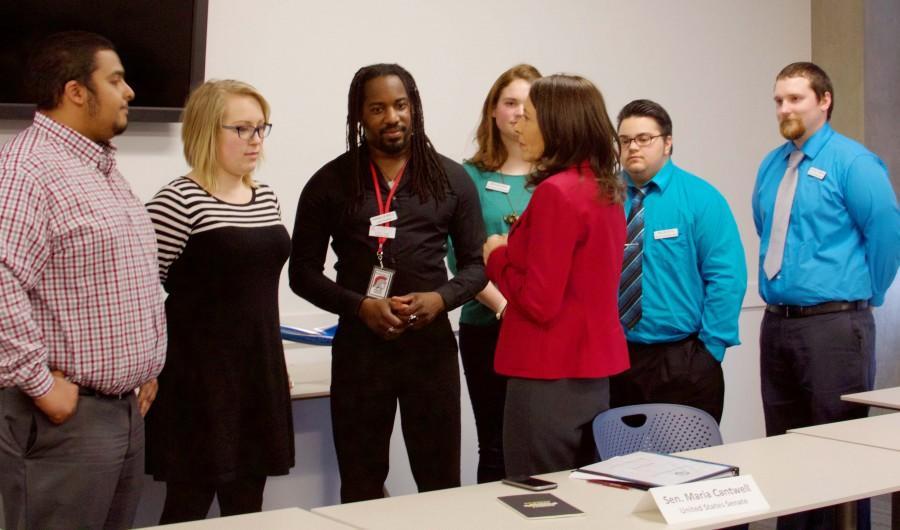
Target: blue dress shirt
(843,237)
(693,282)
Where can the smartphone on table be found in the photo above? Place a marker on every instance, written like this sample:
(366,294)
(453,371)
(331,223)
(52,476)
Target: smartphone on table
(530,483)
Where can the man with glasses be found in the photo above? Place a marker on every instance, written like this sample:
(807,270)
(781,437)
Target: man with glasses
(829,249)
(683,276)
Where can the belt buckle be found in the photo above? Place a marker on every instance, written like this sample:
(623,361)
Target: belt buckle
(788,312)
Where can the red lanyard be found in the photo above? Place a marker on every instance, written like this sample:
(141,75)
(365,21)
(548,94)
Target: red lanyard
(385,207)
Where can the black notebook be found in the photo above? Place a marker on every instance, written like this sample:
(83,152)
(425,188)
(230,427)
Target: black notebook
(540,505)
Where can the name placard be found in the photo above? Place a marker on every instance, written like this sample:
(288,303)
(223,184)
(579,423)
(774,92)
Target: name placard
(709,498)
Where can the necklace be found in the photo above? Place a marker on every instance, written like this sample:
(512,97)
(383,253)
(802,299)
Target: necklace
(511,218)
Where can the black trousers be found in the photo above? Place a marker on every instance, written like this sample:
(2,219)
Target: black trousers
(806,364)
(188,501)
(369,378)
(487,391)
(681,372)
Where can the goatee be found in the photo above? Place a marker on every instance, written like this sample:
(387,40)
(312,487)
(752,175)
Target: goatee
(792,128)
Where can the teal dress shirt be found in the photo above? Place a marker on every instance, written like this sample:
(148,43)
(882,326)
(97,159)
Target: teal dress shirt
(843,237)
(694,270)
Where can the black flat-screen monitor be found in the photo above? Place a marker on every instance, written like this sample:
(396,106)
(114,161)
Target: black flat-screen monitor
(162,44)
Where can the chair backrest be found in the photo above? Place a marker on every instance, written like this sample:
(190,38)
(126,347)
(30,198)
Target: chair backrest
(668,428)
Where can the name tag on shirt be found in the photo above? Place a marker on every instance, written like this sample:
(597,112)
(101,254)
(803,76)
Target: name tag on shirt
(665,234)
(383,218)
(389,232)
(497,186)
(816,172)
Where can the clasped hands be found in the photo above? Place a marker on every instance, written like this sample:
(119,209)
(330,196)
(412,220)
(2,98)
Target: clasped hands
(391,317)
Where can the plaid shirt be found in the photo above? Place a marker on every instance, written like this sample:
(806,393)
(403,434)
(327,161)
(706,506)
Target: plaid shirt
(79,285)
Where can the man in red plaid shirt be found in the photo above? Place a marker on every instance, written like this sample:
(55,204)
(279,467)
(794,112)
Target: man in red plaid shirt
(81,314)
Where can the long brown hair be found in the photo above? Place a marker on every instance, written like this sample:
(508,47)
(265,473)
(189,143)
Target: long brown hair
(491,152)
(575,127)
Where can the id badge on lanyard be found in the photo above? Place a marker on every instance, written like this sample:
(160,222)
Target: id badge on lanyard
(380,226)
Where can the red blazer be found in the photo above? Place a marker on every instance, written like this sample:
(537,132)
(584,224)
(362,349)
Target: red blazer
(560,274)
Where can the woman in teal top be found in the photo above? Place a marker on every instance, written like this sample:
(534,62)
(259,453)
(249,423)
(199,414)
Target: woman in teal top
(499,172)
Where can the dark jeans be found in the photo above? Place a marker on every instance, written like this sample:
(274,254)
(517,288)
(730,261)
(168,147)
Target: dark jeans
(188,501)
(369,378)
(86,473)
(547,423)
(806,364)
(681,372)
(487,391)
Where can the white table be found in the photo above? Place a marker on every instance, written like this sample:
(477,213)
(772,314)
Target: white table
(875,431)
(310,380)
(287,519)
(887,398)
(794,472)
(309,368)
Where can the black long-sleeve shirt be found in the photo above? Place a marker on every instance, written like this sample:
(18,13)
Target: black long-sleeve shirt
(416,254)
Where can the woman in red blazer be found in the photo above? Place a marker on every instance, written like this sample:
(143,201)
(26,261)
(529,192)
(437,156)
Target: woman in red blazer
(559,270)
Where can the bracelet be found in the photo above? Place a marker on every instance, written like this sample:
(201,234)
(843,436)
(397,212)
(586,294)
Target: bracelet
(499,314)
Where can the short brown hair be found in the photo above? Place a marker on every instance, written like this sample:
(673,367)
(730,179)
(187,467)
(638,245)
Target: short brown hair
(576,128)
(491,152)
(60,58)
(818,79)
(202,120)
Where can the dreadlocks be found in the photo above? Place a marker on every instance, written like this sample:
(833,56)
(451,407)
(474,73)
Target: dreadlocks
(424,170)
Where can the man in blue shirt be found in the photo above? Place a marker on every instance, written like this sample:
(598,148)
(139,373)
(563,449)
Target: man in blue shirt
(829,232)
(684,274)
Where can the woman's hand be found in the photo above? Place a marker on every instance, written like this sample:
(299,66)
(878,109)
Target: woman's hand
(492,243)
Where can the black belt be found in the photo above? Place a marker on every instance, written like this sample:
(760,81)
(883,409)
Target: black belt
(799,311)
(84,391)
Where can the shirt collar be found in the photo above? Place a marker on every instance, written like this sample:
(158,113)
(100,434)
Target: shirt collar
(817,141)
(660,181)
(813,145)
(101,156)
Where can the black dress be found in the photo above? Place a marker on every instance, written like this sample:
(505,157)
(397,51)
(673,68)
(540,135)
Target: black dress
(223,410)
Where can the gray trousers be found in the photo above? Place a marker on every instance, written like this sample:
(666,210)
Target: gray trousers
(547,424)
(85,473)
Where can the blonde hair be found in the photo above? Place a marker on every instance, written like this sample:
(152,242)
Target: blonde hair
(202,121)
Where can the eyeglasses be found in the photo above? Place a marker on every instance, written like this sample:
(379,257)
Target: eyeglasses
(246,132)
(643,140)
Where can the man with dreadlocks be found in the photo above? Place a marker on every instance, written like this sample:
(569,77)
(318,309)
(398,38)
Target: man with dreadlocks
(388,204)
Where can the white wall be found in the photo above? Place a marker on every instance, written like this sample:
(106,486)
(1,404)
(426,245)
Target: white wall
(711,63)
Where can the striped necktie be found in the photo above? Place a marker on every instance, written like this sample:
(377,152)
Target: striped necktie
(632,265)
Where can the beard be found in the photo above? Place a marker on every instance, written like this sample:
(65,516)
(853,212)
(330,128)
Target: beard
(119,128)
(395,148)
(792,127)
(391,147)
(93,108)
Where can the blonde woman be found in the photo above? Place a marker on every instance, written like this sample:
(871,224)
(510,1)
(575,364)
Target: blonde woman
(222,420)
